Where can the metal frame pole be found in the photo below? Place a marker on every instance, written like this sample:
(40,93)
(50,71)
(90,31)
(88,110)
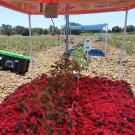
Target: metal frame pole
(103,42)
(67,32)
(106,38)
(123,46)
(61,41)
(30,45)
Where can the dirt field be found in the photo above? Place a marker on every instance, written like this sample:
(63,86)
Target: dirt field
(107,66)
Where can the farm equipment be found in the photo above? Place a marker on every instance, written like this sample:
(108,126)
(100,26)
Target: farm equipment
(14,62)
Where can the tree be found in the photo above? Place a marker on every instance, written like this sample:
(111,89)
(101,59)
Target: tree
(25,32)
(54,30)
(6,29)
(50,29)
(116,29)
(45,31)
(38,31)
(19,30)
(76,32)
(74,24)
(109,31)
(58,31)
(130,28)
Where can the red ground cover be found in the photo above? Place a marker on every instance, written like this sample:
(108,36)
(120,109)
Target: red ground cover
(102,107)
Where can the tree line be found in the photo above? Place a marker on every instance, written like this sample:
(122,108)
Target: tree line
(20,30)
(129,28)
(6,29)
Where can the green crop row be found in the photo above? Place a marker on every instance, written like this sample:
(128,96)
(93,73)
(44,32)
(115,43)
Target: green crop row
(78,55)
(116,41)
(21,43)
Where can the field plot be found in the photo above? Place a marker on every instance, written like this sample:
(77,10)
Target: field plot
(57,102)
(39,108)
(47,51)
(116,41)
(109,66)
(20,43)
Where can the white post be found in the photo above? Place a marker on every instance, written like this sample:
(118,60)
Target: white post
(30,45)
(61,41)
(67,32)
(70,33)
(123,46)
(106,38)
(102,36)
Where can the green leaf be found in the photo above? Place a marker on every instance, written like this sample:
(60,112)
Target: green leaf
(69,123)
(59,132)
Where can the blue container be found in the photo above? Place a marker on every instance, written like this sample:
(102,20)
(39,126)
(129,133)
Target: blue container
(96,52)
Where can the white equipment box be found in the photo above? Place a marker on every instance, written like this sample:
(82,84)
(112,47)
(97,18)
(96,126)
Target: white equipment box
(87,44)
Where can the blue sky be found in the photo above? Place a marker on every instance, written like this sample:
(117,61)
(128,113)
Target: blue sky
(14,18)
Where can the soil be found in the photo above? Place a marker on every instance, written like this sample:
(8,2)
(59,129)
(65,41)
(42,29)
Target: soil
(107,66)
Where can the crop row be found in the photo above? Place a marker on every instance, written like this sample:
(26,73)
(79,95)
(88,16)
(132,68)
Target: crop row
(116,41)
(21,43)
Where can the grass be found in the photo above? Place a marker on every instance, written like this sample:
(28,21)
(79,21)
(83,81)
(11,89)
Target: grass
(116,40)
(87,34)
(21,43)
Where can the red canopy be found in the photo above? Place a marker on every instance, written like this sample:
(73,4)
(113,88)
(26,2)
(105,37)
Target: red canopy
(69,6)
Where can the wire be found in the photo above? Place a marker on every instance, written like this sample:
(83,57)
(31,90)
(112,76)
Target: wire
(53,23)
